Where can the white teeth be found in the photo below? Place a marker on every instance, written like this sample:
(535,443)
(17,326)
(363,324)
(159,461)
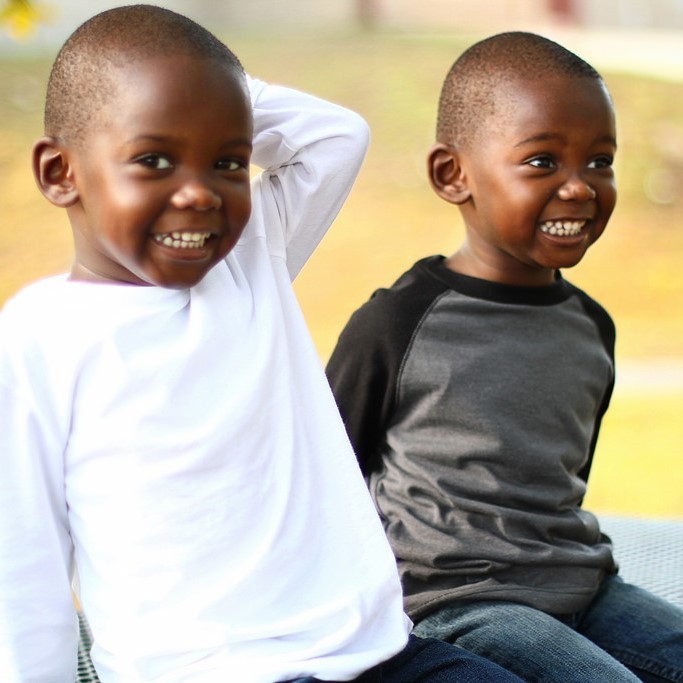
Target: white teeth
(562,228)
(183,240)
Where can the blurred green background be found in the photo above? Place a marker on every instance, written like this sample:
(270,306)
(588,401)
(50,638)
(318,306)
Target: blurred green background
(392,76)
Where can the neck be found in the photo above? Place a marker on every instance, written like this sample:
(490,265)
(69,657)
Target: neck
(465,262)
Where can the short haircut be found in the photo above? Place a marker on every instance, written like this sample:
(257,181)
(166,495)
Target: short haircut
(472,89)
(82,78)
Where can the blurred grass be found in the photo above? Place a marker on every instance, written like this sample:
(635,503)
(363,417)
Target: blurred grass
(392,219)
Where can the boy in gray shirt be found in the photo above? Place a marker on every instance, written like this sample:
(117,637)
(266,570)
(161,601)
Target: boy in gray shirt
(473,388)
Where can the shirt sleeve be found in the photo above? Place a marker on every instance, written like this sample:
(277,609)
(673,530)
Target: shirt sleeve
(363,373)
(364,370)
(38,625)
(607,331)
(310,151)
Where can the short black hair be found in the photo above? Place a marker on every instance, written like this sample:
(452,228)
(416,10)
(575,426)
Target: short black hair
(81,79)
(470,90)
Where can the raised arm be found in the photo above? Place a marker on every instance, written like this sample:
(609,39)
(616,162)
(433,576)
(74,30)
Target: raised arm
(310,151)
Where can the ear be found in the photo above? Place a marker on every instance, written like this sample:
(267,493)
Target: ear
(53,172)
(446,174)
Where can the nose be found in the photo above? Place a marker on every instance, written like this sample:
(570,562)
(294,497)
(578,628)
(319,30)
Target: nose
(576,188)
(195,194)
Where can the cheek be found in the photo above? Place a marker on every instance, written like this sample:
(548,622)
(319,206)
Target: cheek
(124,208)
(512,210)
(611,200)
(240,208)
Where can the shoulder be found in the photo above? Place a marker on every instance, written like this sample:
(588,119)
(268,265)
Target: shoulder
(29,329)
(397,310)
(374,343)
(31,306)
(597,313)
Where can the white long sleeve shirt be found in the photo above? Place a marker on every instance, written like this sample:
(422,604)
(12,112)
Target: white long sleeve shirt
(183,452)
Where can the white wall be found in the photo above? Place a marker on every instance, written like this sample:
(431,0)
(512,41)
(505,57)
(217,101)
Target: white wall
(223,16)
(216,15)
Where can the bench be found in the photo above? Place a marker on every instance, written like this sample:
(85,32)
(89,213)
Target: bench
(649,552)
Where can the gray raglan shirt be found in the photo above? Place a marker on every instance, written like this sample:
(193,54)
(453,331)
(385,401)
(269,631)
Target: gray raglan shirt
(474,409)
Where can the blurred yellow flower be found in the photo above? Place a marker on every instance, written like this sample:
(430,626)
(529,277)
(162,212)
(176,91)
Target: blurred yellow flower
(20,17)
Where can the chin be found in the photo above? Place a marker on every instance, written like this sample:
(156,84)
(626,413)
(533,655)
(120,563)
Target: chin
(177,281)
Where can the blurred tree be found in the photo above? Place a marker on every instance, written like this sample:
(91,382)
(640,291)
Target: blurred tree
(20,17)
(367,12)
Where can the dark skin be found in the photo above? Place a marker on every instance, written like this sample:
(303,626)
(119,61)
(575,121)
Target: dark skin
(158,190)
(537,188)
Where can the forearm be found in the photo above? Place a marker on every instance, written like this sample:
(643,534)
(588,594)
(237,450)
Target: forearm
(311,151)
(287,122)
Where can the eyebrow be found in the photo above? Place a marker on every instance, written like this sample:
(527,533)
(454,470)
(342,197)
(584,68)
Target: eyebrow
(156,138)
(544,137)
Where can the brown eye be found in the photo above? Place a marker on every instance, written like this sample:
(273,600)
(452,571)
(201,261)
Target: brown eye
(541,162)
(229,165)
(156,162)
(605,161)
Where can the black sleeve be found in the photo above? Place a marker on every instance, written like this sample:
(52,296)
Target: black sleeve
(607,331)
(361,372)
(365,366)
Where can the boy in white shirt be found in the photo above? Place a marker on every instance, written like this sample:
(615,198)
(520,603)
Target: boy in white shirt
(167,427)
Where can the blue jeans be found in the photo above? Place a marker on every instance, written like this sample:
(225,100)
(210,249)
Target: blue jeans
(625,635)
(432,661)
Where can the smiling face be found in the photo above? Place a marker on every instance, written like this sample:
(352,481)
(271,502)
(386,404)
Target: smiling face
(162,181)
(537,187)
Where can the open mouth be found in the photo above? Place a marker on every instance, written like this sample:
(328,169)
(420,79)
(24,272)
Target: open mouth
(183,240)
(562,228)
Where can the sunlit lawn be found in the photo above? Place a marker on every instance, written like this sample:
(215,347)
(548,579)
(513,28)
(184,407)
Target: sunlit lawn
(392,219)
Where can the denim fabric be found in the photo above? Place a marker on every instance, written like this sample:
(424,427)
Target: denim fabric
(626,634)
(432,661)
